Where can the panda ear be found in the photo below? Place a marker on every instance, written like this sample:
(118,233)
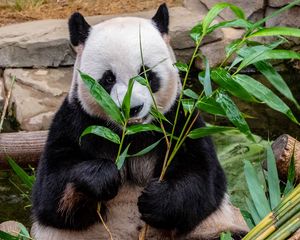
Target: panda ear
(78,29)
(161,19)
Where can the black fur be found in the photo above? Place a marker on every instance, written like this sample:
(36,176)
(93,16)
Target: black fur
(161,19)
(193,187)
(108,80)
(152,77)
(78,28)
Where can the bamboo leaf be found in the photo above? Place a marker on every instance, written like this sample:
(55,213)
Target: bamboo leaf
(273,180)
(254,214)
(120,161)
(102,98)
(232,47)
(183,67)
(196,32)
(234,114)
(7,236)
(248,218)
(256,191)
(210,105)
(291,176)
(225,236)
(102,132)
(275,31)
(126,100)
(208,130)
(24,234)
(137,128)
(241,23)
(276,80)
(145,150)
(206,79)
(267,55)
(141,80)
(225,80)
(187,105)
(265,95)
(25,178)
(158,115)
(214,12)
(190,93)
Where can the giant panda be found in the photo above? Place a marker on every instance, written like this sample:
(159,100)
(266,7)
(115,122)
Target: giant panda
(72,178)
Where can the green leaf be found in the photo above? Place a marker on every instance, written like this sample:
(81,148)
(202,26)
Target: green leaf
(158,115)
(7,236)
(225,236)
(268,54)
(248,218)
(254,214)
(196,32)
(206,79)
(291,175)
(183,67)
(275,31)
(187,105)
(209,105)
(137,128)
(126,100)
(24,234)
(241,23)
(225,80)
(141,80)
(102,132)
(214,12)
(120,161)
(145,150)
(256,191)
(276,80)
(265,95)
(25,178)
(102,98)
(190,93)
(273,180)
(232,47)
(208,130)
(234,114)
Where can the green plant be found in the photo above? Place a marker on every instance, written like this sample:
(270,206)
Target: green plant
(218,100)
(21,5)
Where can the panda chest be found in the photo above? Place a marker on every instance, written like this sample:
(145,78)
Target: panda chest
(139,170)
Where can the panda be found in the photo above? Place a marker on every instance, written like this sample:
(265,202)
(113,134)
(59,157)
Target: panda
(72,178)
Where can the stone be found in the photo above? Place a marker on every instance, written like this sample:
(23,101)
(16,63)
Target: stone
(278,3)
(289,18)
(45,43)
(215,52)
(37,94)
(249,7)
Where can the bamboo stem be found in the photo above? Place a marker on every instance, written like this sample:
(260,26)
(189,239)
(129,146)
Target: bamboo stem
(103,222)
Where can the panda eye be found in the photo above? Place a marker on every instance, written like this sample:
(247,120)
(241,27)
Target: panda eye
(152,78)
(108,78)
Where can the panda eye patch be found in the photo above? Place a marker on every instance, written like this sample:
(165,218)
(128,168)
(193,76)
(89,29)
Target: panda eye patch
(108,80)
(152,78)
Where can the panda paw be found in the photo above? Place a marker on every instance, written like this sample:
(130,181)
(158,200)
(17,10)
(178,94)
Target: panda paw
(161,206)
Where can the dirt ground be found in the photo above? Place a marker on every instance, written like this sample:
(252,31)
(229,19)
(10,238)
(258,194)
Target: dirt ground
(14,11)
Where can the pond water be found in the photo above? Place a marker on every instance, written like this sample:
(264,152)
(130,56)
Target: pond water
(232,148)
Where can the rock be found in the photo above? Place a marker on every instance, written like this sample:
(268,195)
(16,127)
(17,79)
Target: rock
(37,94)
(249,7)
(289,18)
(45,43)
(215,52)
(278,3)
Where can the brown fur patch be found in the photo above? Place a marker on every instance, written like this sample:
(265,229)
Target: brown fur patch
(69,199)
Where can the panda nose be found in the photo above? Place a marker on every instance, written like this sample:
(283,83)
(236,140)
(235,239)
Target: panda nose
(135,110)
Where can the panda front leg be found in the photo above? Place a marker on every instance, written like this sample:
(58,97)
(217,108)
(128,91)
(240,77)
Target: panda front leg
(193,188)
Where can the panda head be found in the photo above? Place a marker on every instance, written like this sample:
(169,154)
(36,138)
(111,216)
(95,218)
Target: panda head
(110,53)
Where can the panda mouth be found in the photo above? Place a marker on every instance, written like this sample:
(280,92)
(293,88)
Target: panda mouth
(132,121)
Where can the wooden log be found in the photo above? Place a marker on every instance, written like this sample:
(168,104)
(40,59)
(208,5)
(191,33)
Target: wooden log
(24,147)
(284,147)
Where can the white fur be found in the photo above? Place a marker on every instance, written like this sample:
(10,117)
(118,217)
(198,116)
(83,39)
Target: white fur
(115,45)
